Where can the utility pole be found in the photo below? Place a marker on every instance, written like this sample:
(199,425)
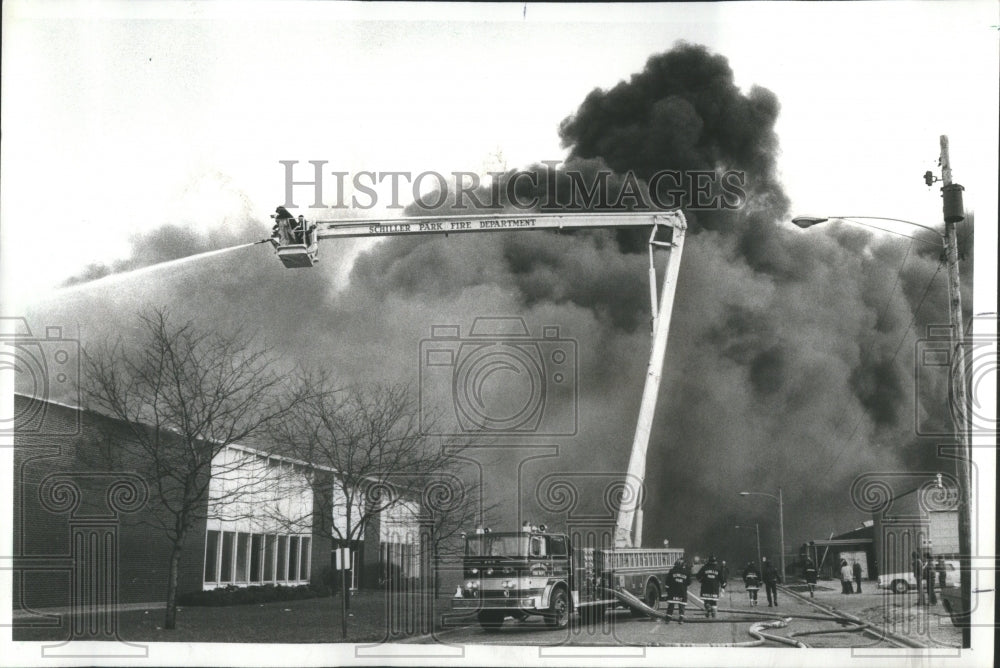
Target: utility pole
(781,528)
(756,527)
(954,213)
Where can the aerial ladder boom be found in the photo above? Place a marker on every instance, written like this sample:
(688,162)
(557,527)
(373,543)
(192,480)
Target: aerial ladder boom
(297,246)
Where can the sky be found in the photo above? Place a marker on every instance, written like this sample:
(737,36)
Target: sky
(121,119)
(146,132)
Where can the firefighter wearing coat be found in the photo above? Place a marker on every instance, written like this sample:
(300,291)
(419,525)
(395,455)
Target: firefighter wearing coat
(678,580)
(711,579)
(751,582)
(283,223)
(809,572)
(771,579)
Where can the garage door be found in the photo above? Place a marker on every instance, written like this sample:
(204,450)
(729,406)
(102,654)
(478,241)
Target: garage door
(860,557)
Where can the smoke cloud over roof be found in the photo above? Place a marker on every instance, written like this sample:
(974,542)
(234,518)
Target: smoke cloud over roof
(790,360)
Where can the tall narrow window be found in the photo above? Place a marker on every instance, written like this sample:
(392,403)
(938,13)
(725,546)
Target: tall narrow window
(269,558)
(306,558)
(242,543)
(282,564)
(226,574)
(256,552)
(293,558)
(212,556)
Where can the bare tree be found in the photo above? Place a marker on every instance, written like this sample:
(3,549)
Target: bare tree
(453,505)
(183,395)
(368,452)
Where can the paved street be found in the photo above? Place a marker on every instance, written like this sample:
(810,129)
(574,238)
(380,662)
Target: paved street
(730,628)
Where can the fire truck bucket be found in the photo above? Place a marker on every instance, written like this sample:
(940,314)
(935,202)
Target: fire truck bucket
(294,256)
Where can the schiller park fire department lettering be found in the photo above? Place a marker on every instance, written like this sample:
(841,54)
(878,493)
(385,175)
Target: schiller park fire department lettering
(451,226)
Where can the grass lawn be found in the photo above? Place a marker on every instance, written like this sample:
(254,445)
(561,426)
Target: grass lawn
(317,620)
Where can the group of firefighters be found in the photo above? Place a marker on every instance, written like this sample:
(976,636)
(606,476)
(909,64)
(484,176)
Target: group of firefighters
(713,577)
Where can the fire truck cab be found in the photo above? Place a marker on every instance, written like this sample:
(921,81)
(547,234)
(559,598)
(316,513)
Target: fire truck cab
(517,574)
(537,572)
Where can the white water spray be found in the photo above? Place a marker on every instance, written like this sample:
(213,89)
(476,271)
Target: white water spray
(111,278)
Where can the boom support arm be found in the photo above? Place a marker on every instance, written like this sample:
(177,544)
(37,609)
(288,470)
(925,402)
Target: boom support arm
(650,392)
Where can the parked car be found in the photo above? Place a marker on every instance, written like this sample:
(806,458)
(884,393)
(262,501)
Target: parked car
(900,583)
(951,599)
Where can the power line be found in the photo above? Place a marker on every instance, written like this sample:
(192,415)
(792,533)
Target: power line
(894,355)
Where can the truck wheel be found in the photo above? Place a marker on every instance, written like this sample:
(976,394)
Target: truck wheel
(651,598)
(558,616)
(490,620)
(899,586)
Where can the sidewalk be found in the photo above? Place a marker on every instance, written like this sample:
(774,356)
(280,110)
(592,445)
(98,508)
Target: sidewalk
(21,614)
(896,613)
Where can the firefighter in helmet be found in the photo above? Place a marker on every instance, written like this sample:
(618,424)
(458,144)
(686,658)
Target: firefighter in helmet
(751,581)
(711,579)
(677,590)
(809,573)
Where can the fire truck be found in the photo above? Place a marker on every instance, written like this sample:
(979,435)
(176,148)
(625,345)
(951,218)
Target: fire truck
(539,572)
(535,571)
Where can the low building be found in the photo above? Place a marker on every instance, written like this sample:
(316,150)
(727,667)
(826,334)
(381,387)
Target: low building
(84,530)
(920,520)
(855,546)
(911,514)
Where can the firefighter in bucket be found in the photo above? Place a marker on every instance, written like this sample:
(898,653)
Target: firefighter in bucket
(283,223)
(294,239)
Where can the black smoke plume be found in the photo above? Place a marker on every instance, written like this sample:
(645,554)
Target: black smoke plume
(791,355)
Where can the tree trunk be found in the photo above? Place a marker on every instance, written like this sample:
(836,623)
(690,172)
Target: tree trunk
(437,576)
(170,620)
(348,576)
(344,594)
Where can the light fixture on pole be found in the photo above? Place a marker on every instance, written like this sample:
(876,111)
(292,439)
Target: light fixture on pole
(781,521)
(806,222)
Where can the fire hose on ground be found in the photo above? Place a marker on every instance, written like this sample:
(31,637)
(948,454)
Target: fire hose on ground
(771,620)
(867,628)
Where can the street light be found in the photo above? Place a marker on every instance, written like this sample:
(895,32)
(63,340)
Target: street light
(806,222)
(756,526)
(781,521)
(954,213)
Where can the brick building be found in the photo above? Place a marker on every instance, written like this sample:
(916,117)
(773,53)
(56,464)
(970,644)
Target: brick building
(82,530)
